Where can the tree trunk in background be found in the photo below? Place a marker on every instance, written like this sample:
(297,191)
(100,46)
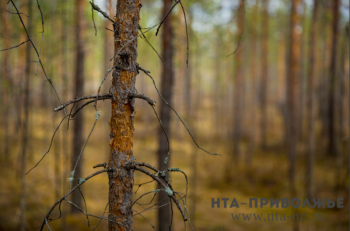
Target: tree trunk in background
(264,72)
(5,83)
(310,105)
(78,123)
(302,75)
(167,80)
(323,90)
(332,134)
(238,85)
(339,180)
(25,122)
(253,73)
(292,92)
(64,73)
(218,78)
(121,181)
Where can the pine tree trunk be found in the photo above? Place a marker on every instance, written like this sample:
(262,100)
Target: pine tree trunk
(167,80)
(332,134)
(121,124)
(264,72)
(64,73)
(292,93)
(238,85)
(25,122)
(310,104)
(253,73)
(5,83)
(78,123)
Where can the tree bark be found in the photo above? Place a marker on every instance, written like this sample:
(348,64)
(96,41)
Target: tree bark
(310,104)
(332,134)
(264,72)
(78,123)
(121,124)
(167,80)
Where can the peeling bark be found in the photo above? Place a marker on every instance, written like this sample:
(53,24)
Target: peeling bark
(121,142)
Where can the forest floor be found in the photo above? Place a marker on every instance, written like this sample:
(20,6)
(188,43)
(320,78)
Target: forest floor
(218,177)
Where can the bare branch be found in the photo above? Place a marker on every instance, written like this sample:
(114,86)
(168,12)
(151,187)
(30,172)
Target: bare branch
(101,216)
(16,13)
(36,50)
(240,38)
(47,224)
(161,182)
(82,150)
(142,96)
(15,46)
(77,99)
(137,213)
(42,35)
(92,17)
(188,44)
(82,106)
(49,146)
(144,37)
(154,83)
(68,193)
(100,165)
(98,9)
(171,9)
(166,135)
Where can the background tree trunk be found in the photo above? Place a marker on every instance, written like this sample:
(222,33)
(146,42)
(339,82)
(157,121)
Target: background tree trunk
(78,123)
(238,85)
(64,72)
(332,134)
(310,104)
(25,122)
(167,80)
(253,73)
(292,92)
(121,124)
(5,83)
(264,71)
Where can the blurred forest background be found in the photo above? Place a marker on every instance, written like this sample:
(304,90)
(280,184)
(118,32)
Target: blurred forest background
(237,106)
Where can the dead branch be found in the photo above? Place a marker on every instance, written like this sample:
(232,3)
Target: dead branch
(15,46)
(68,193)
(240,38)
(100,165)
(171,9)
(154,83)
(77,99)
(165,186)
(36,50)
(142,96)
(98,9)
